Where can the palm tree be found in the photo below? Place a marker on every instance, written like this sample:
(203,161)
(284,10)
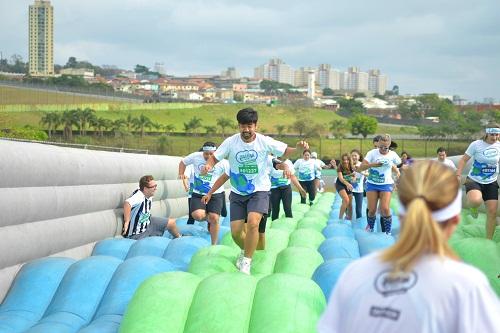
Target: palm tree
(169,128)
(141,123)
(210,129)
(51,120)
(129,122)
(68,120)
(117,126)
(99,124)
(223,122)
(193,124)
(85,117)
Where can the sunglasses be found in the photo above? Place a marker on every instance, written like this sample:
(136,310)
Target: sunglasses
(154,186)
(384,148)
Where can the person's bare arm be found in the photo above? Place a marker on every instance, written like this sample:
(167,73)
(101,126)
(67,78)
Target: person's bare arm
(461,164)
(209,165)
(343,181)
(297,185)
(218,183)
(365,166)
(301,145)
(126,217)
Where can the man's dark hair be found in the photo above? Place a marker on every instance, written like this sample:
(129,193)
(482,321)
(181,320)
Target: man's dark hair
(440,150)
(144,181)
(306,151)
(247,116)
(208,144)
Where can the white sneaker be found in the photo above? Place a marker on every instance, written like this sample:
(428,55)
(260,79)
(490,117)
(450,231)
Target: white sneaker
(245,266)
(240,258)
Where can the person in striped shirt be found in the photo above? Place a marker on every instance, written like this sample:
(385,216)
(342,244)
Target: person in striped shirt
(137,220)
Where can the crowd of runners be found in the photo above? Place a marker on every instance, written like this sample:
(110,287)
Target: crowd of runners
(261,174)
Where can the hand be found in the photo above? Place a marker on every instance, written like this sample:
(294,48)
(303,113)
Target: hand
(349,187)
(124,229)
(302,145)
(205,169)
(287,173)
(376,164)
(302,192)
(206,198)
(333,163)
(181,176)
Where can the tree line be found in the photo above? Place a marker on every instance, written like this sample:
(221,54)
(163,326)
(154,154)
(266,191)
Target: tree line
(86,119)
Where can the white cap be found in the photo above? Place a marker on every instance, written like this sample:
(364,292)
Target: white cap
(314,154)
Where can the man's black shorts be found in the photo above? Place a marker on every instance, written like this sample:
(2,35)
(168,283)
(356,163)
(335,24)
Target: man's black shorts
(214,205)
(489,191)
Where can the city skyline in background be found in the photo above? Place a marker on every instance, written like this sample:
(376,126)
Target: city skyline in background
(110,34)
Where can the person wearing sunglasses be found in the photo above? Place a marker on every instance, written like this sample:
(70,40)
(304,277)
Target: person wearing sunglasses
(379,183)
(137,220)
(481,183)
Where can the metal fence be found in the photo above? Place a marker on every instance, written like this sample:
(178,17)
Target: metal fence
(83,146)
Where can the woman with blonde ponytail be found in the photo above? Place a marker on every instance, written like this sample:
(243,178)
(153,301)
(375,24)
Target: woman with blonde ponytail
(417,285)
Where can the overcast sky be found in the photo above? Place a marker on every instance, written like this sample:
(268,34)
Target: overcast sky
(444,46)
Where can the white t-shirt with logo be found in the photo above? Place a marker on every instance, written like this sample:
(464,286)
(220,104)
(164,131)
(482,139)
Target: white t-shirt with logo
(381,175)
(306,170)
(439,295)
(203,183)
(357,187)
(277,178)
(319,166)
(189,173)
(485,157)
(249,167)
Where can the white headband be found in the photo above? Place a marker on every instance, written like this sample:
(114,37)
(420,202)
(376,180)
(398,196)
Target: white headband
(209,148)
(443,214)
(493,130)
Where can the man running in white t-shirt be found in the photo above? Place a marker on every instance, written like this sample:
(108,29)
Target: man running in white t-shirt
(247,153)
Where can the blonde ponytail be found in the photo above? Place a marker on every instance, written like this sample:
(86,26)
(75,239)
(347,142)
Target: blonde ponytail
(424,188)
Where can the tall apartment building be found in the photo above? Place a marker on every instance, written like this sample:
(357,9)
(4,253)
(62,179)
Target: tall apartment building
(354,80)
(377,83)
(275,70)
(230,73)
(41,38)
(301,76)
(328,77)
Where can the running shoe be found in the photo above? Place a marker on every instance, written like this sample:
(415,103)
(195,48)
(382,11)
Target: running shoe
(474,212)
(240,259)
(246,265)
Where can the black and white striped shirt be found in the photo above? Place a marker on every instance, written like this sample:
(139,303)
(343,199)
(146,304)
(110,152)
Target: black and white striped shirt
(140,214)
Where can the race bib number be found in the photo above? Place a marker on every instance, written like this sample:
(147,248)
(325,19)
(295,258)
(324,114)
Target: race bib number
(206,178)
(489,169)
(249,169)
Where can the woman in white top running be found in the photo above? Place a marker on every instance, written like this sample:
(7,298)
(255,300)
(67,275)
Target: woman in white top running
(418,284)
(481,183)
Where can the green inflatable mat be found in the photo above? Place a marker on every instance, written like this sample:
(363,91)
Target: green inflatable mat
(213,259)
(161,304)
(310,238)
(483,254)
(296,260)
(286,303)
(222,303)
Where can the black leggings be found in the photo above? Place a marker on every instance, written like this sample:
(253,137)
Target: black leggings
(310,188)
(358,198)
(281,194)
